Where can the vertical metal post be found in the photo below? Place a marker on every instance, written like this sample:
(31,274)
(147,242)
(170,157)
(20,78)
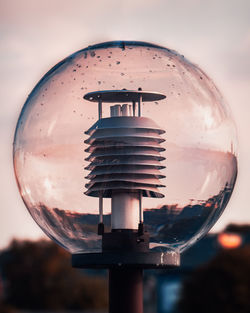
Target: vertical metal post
(140,207)
(133,108)
(100,230)
(126,290)
(139,106)
(100,109)
(100,208)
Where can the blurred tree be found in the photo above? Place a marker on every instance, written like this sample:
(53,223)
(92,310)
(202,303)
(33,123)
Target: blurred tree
(38,275)
(223,285)
(235,228)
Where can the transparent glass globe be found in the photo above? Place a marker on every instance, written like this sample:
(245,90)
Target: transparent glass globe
(197,170)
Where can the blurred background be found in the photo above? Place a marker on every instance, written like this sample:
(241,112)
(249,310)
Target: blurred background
(214,276)
(35,35)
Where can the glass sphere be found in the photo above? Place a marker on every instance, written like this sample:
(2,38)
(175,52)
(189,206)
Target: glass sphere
(199,157)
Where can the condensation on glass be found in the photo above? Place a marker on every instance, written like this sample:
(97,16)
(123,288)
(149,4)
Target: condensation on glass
(198,147)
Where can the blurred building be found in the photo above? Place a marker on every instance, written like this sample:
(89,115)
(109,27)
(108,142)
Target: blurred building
(169,282)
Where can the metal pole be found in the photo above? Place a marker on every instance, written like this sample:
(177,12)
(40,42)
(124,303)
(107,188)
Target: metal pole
(126,290)
(133,108)
(100,208)
(100,225)
(100,109)
(140,207)
(139,106)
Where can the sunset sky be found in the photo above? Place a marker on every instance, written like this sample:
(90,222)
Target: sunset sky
(35,35)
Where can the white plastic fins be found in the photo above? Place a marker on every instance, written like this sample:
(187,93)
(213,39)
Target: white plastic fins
(125,157)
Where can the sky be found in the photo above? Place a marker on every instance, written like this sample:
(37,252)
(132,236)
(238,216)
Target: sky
(35,35)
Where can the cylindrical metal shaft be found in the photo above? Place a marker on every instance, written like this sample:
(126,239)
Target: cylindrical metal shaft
(125,210)
(125,290)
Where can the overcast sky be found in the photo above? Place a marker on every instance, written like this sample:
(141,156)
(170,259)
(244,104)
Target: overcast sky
(35,35)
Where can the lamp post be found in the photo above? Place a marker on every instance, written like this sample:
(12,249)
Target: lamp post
(149,140)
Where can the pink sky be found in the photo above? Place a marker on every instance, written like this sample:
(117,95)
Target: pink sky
(35,35)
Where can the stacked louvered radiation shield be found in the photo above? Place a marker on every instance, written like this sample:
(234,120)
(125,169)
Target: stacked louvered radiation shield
(125,155)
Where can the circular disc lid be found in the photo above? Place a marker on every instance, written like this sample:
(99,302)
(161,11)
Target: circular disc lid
(123,96)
